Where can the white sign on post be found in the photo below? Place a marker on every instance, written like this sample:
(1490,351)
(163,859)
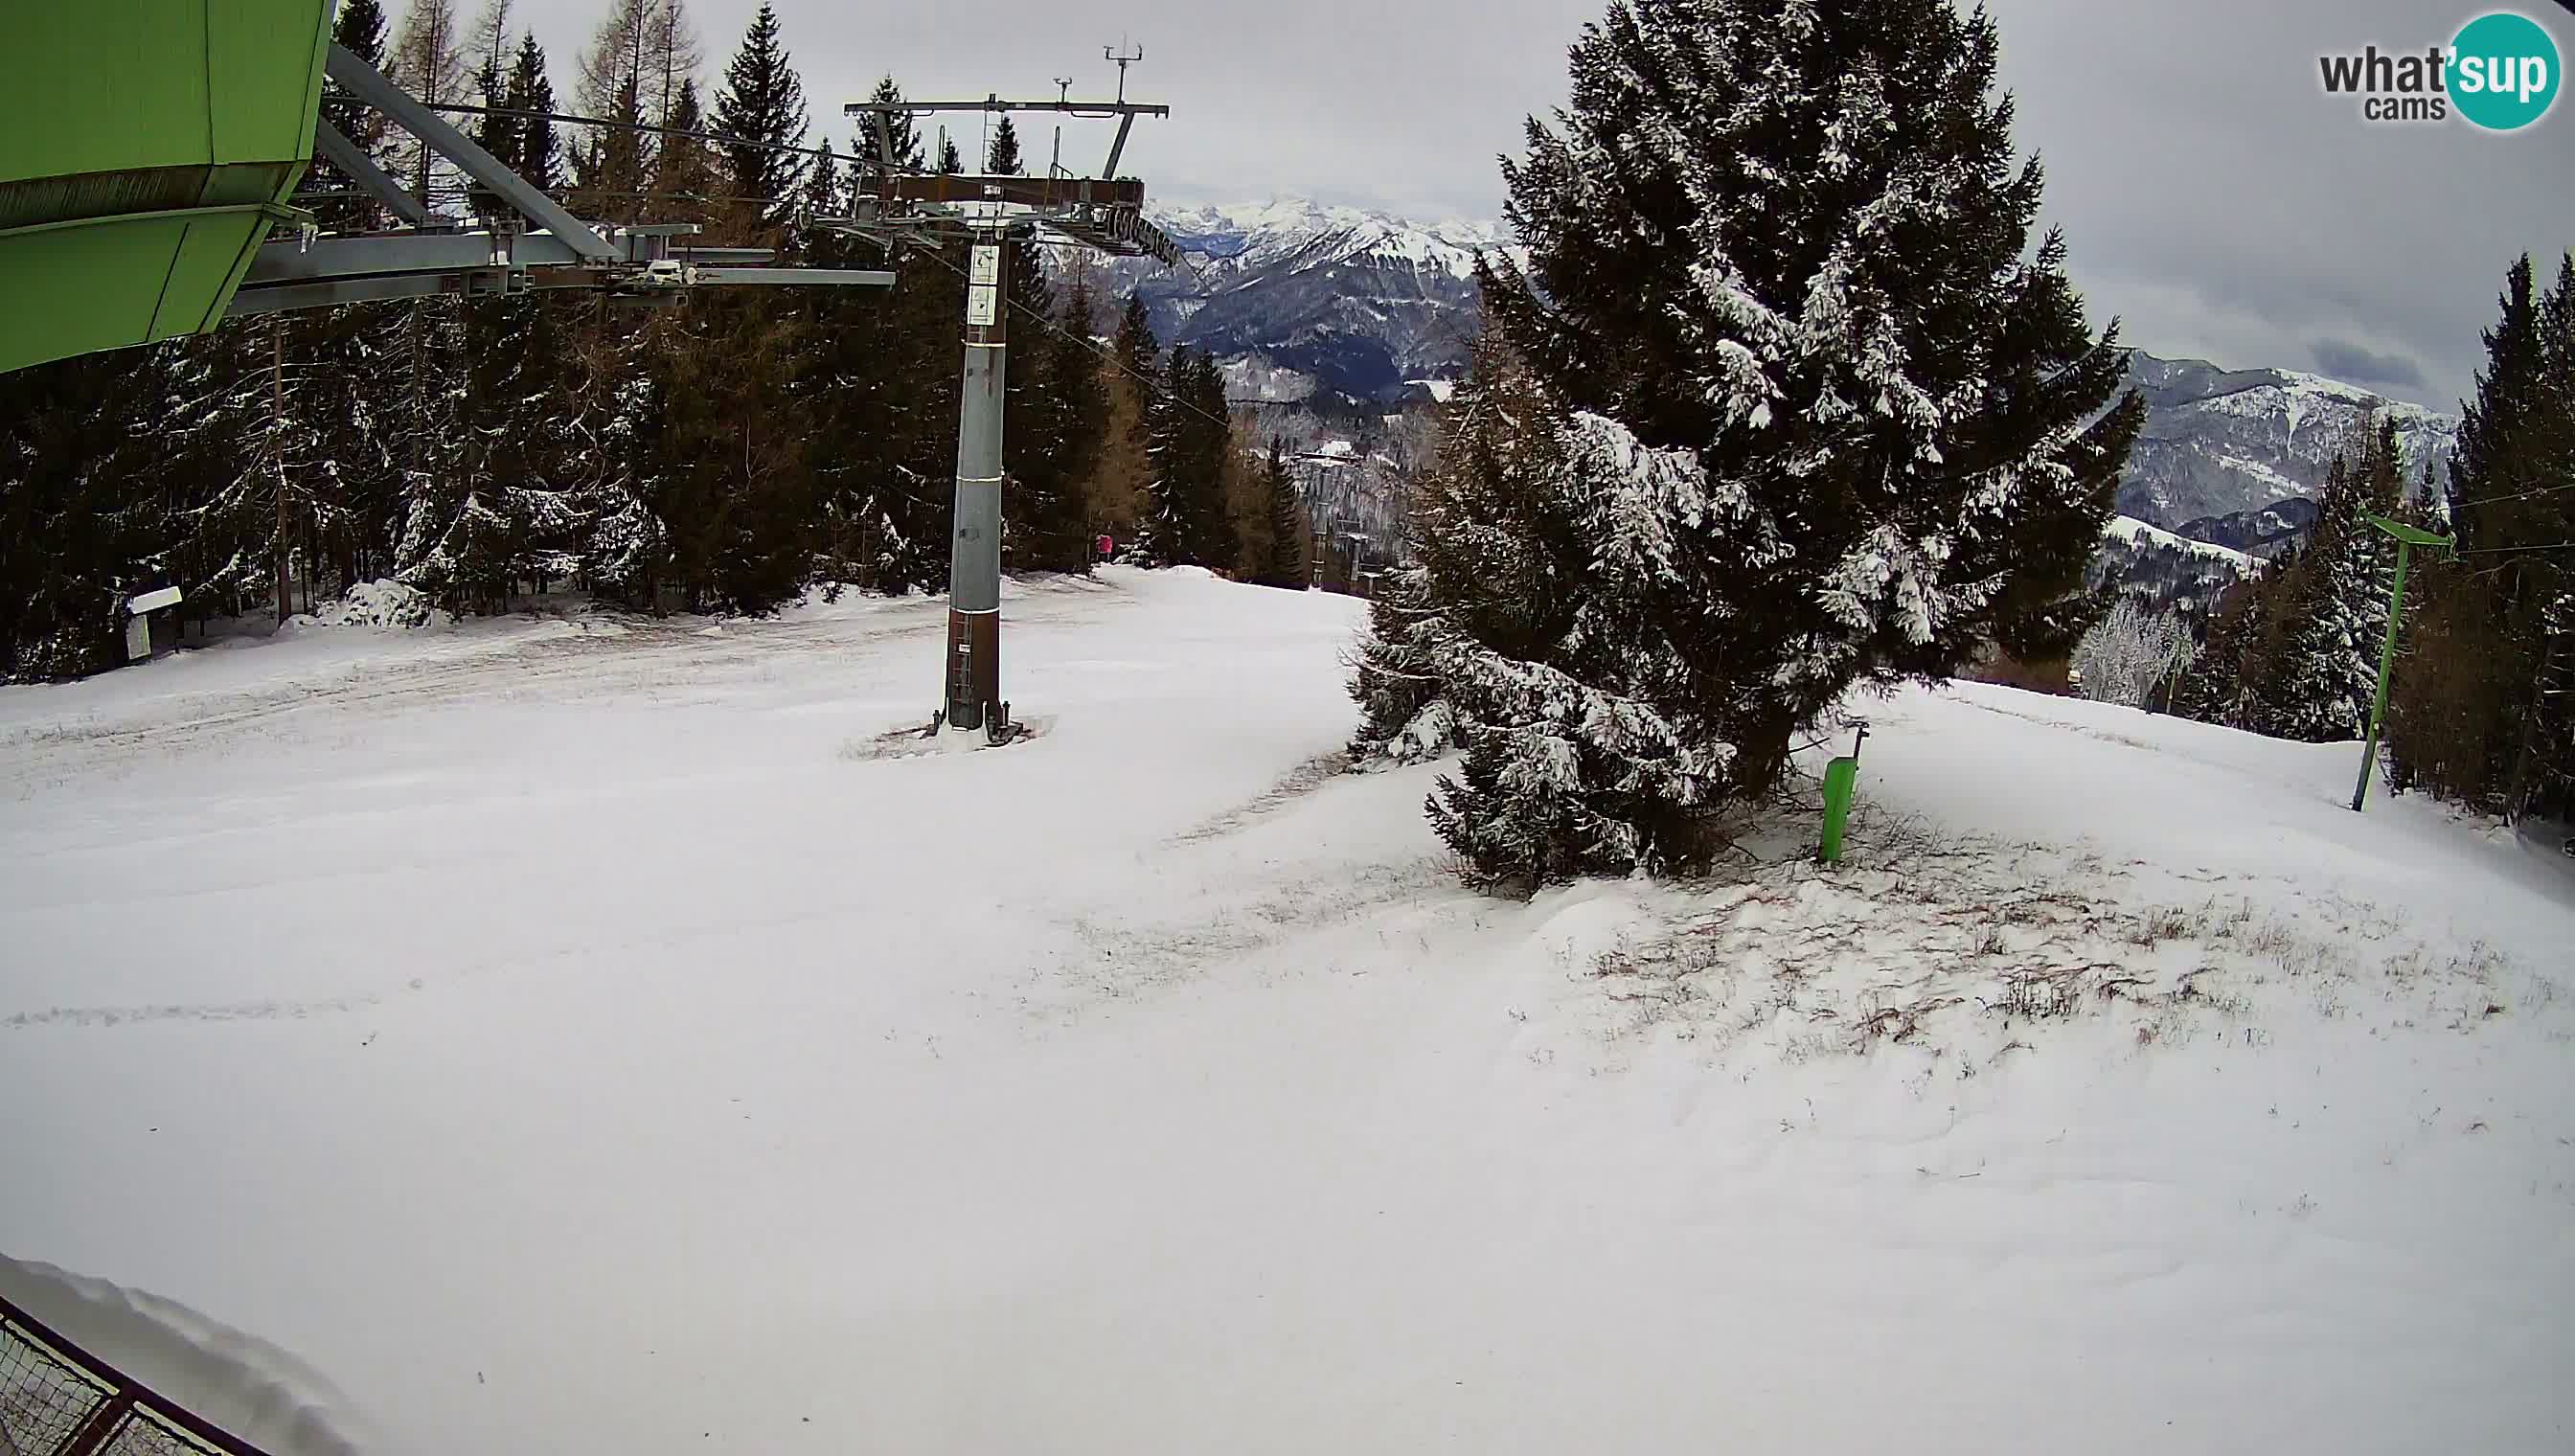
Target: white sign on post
(987,263)
(983,305)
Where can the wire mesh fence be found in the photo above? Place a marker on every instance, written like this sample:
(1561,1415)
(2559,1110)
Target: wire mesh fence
(57,1400)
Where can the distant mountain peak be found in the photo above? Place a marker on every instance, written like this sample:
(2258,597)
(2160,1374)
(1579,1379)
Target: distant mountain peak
(1299,297)
(2221,442)
(1314,234)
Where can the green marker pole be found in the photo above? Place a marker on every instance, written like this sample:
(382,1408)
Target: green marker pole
(2407,538)
(1841,778)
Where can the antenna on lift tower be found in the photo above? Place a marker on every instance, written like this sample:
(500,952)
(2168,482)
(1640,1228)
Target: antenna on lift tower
(895,208)
(1123,61)
(1064,97)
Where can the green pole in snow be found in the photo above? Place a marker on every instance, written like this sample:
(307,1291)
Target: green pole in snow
(2407,538)
(1841,778)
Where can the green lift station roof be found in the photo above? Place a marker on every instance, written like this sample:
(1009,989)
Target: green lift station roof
(146,147)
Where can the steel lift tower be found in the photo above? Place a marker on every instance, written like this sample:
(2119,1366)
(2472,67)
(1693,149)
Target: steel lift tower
(1104,213)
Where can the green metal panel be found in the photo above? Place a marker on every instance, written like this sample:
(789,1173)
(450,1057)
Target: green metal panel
(1841,777)
(146,146)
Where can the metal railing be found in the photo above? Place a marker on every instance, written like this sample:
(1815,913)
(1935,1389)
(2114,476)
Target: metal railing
(57,1400)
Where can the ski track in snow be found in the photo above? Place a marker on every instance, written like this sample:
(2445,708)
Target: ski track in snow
(566,1043)
(639,655)
(1305,779)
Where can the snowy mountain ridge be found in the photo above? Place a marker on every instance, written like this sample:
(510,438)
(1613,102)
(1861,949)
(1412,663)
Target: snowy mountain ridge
(1297,298)
(2138,532)
(2221,442)
(1305,234)
(1301,298)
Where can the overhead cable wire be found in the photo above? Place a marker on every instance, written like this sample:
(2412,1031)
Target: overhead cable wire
(2516,495)
(720,138)
(2516,549)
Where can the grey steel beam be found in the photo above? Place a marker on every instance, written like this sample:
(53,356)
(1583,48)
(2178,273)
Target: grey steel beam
(370,86)
(396,255)
(288,260)
(774,277)
(277,294)
(1117,148)
(340,152)
(1021,191)
(996,104)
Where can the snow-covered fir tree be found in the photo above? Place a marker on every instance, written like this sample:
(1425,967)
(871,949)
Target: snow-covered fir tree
(626,551)
(454,542)
(2319,681)
(1813,412)
(1469,576)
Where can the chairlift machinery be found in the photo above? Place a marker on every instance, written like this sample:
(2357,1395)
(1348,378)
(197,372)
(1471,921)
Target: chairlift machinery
(160,205)
(532,242)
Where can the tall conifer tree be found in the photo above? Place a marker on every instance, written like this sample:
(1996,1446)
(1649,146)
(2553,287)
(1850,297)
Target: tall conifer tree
(763,104)
(2484,703)
(1003,158)
(1816,416)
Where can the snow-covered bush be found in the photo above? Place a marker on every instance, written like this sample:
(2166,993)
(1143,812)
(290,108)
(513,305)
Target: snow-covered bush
(2133,648)
(381,604)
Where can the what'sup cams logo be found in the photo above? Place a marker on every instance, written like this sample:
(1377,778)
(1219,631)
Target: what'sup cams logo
(2501,73)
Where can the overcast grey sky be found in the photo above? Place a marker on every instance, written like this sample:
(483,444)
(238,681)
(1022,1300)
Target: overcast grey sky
(2215,198)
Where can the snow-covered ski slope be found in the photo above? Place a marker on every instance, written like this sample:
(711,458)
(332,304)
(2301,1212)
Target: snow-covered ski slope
(568,1037)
